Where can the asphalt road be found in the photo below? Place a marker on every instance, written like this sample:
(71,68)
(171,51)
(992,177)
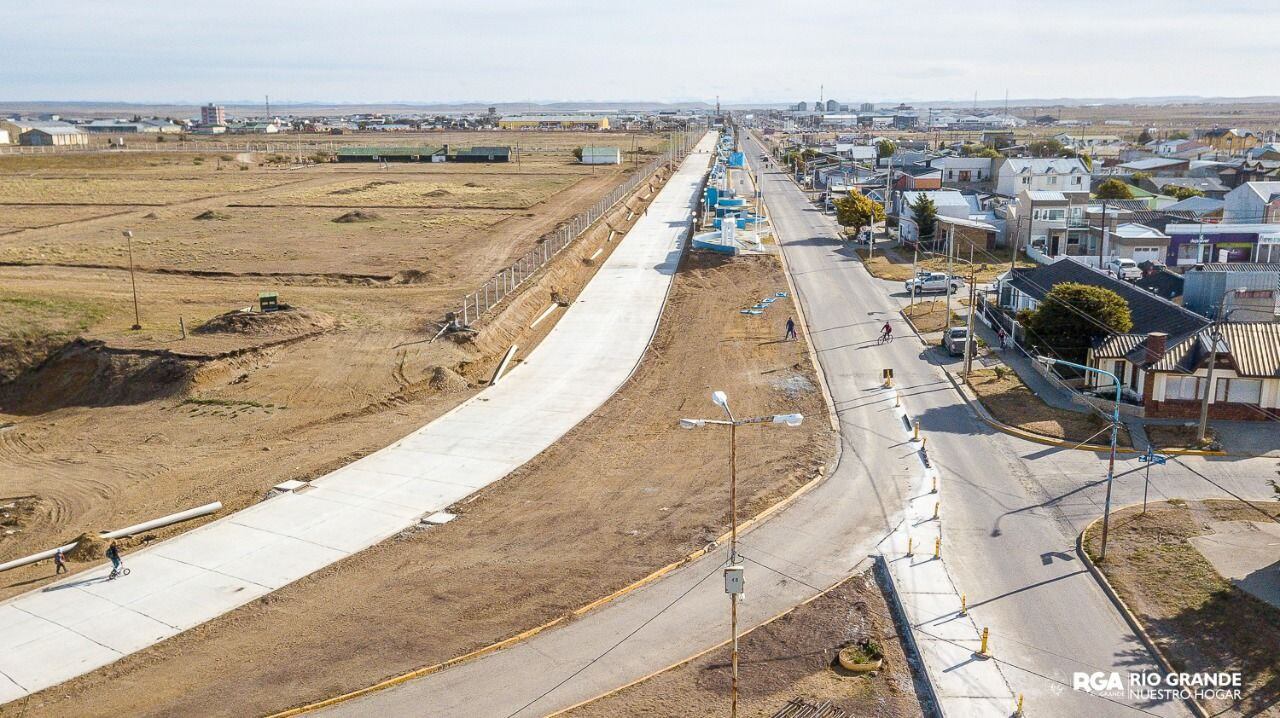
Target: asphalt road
(1011,511)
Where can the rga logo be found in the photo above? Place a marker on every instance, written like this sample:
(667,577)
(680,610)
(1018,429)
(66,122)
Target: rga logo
(1153,686)
(1097,682)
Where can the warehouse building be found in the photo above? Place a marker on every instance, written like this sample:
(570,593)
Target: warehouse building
(425,153)
(54,136)
(601,156)
(554,122)
(483,154)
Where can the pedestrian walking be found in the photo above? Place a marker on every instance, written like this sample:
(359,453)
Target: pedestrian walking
(59,562)
(791,330)
(1000,333)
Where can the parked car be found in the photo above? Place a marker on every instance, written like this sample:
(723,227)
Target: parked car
(954,340)
(933,282)
(1124,268)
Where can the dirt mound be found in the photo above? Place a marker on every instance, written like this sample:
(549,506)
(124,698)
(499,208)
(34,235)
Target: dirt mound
(89,547)
(362,188)
(151,215)
(209,214)
(438,193)
(357,216)
(410,276)
(286,321)
(88,373)
(471,184)
(446,380)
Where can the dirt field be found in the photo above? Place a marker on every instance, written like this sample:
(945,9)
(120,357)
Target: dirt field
(544,540)
(894,263)
(1202,622)
(130,425)
(792,657)
(931,315)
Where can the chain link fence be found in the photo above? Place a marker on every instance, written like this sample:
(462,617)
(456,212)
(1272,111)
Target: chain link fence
(507,281)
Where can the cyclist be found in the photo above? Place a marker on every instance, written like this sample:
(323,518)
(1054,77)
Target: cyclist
(113,553)
(886,332)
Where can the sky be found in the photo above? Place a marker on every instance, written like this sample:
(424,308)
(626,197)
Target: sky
(424,51)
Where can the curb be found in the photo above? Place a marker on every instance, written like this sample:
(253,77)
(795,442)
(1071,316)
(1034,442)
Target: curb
(908,633)
(1129,618)
(743,527)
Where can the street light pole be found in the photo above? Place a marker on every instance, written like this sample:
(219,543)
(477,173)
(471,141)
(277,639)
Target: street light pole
(720,399)
(137,320)
(1115,432)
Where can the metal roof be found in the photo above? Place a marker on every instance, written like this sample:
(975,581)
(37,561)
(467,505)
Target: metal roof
(484,151)
(1117,346)
(375,151)
(602,151)
(1253,348)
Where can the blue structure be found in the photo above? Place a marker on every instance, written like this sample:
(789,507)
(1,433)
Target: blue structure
(737,160)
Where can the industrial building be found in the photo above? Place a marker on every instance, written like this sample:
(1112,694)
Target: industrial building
(601,156)
(554,122)
(483,154)
(425,153)
(54,136)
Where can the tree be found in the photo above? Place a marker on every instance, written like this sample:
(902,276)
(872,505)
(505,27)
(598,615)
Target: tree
(886,148)
(1145,137)
(1139,176)
(1113,189)
(858,211)
(976,150)
(1045,148)
(1180,193)
(925,213)
(1179,135)
(1072,316)
(577,153)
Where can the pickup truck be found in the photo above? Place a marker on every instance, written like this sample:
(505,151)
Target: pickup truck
(933,282)
(1124,268)
(954,340)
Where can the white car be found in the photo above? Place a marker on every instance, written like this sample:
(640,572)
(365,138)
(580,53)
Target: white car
(933,282)
(1124,268)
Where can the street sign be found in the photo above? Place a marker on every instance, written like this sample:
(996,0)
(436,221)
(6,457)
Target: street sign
(1152,457)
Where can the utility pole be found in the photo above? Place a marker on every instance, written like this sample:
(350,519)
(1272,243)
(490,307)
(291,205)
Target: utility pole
(973,293)
(915,273)
(951,245)
(137,320)
(1215,338)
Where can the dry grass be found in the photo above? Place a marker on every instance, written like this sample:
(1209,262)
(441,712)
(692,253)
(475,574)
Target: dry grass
(894,263)
(931,316)
(1200,620)
(1166,437)
(130,190)
(1011,402)
(492,191)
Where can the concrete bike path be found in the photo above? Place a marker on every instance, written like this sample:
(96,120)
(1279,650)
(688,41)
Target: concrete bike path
(82,623)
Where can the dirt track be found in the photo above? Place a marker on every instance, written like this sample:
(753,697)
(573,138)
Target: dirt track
(624,493)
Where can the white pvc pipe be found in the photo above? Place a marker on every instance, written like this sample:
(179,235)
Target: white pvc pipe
(503,366)
(545,314)
(121,533)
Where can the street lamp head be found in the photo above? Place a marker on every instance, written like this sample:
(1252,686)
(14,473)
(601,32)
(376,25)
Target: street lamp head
(720,399)
(128,234)
(788,419)
(692,423)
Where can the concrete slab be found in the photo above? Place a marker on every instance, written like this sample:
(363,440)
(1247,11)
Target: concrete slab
(1246,553)
(84,622)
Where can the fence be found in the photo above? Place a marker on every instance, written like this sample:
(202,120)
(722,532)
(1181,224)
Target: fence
(508,280)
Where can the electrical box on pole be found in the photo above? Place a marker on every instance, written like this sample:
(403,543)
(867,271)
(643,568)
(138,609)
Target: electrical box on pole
(733,580)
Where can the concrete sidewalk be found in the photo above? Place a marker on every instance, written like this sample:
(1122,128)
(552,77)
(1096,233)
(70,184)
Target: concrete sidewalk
(85,622)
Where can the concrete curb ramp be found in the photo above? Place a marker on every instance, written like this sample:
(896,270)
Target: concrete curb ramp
(82,623)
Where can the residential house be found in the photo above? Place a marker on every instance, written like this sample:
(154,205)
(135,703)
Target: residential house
(1206,243)
(1246,377)
(963,169)
(1230,140)
(1253,203)
(948,203)
(1161,281)
(1252,290)
(1085,142)
(1018,174)
(1152,316)
(1051,224)
(1210,186)
(916,178)
(1198,207)
(1169,166)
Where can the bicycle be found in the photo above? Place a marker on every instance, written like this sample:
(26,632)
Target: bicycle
(117,573)
(884,338)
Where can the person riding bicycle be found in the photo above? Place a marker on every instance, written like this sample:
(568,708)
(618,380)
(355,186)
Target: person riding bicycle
(886,332)
(113,553)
